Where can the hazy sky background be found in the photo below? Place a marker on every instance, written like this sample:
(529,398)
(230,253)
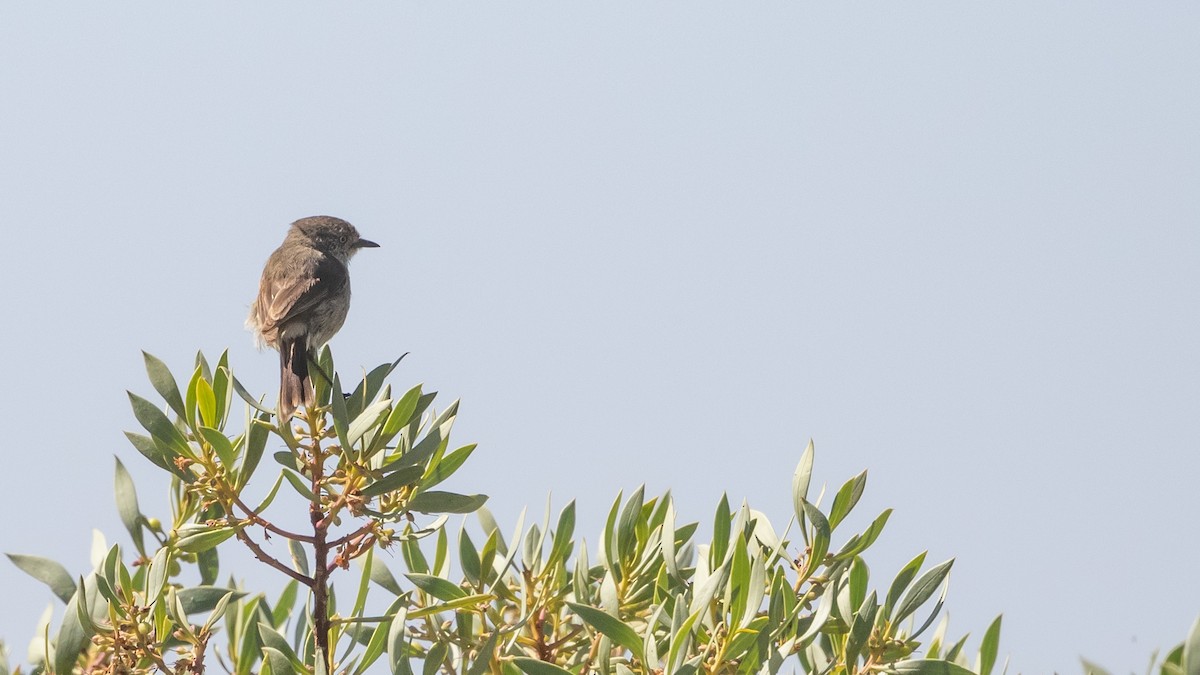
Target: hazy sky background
(664,242)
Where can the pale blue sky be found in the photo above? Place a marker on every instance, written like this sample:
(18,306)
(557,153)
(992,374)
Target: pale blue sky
(660,242)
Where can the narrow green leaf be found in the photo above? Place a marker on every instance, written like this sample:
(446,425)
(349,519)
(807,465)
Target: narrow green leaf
(395,644)
(164,383)
(1191,650)
(153,420)
(250,400)
(299,557)
(285,603)
(845,500)
(611,626)
(536,667)
(1090,668)
(922,590)
(381,575)
(901,582)
(278,661)
(989,647)
(367,420)
(48,572)
(193,538)
(298,483)
(221,445)
(722,522)
(800,482)
(484,658)
(563,534)
(446,467)
(929,667)
(208,561)
(402,412)
(438,587)
(73,635)
(395,480)
(256,443)
(445,502)
(206,403)
(266,501)
(819,542)
(127,505)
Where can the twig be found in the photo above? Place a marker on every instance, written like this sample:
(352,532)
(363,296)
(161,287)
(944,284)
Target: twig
(273,562)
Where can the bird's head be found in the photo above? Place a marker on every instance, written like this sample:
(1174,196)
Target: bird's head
(332,236)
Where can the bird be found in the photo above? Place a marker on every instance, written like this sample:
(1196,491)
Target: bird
(303,299)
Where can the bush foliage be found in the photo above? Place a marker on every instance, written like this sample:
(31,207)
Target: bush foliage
(362,472)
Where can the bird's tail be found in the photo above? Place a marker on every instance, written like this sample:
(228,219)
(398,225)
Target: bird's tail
(295,387)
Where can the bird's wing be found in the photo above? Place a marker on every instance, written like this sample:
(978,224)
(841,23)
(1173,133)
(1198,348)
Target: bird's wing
(281,300)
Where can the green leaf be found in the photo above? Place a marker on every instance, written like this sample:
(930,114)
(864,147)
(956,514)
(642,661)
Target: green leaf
(127,505)
(250,400)
(199,599)
(928,667)
(395,644)
(922,590)
(206,403)
(469,557)
(164,383)
(409,475)
(221,445)
(256,443)
(1090,668)
(563,534)
(401,413)
(278,661)
(366,421)
(435,502)
(381,575)
(271,639)
(611,626)
(800,482)
(989,647)
(820,538)
(627,524)
(438,587)
(901,582)
(153,420)
(1191,650)
(209,563)
(722,522)
(73,635)
(48,572)
(846,499)
(446,466)
(341,416)
(193,538)
(299,557)
(160,567)
(266,501)
(536,667)
(375,646)
(484,658)
(860,542)
(298,484)
(370,385)
(283,606)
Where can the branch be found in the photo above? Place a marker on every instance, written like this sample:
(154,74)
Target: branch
(266,557)
(259,520)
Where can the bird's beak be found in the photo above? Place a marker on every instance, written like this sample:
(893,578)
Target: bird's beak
(365,243)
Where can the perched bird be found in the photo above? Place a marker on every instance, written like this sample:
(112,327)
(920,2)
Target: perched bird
(303,299)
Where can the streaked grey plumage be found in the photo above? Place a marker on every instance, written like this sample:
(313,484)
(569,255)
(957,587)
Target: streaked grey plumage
(303,300)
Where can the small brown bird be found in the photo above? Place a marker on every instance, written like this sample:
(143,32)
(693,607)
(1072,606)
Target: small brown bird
(303,299)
